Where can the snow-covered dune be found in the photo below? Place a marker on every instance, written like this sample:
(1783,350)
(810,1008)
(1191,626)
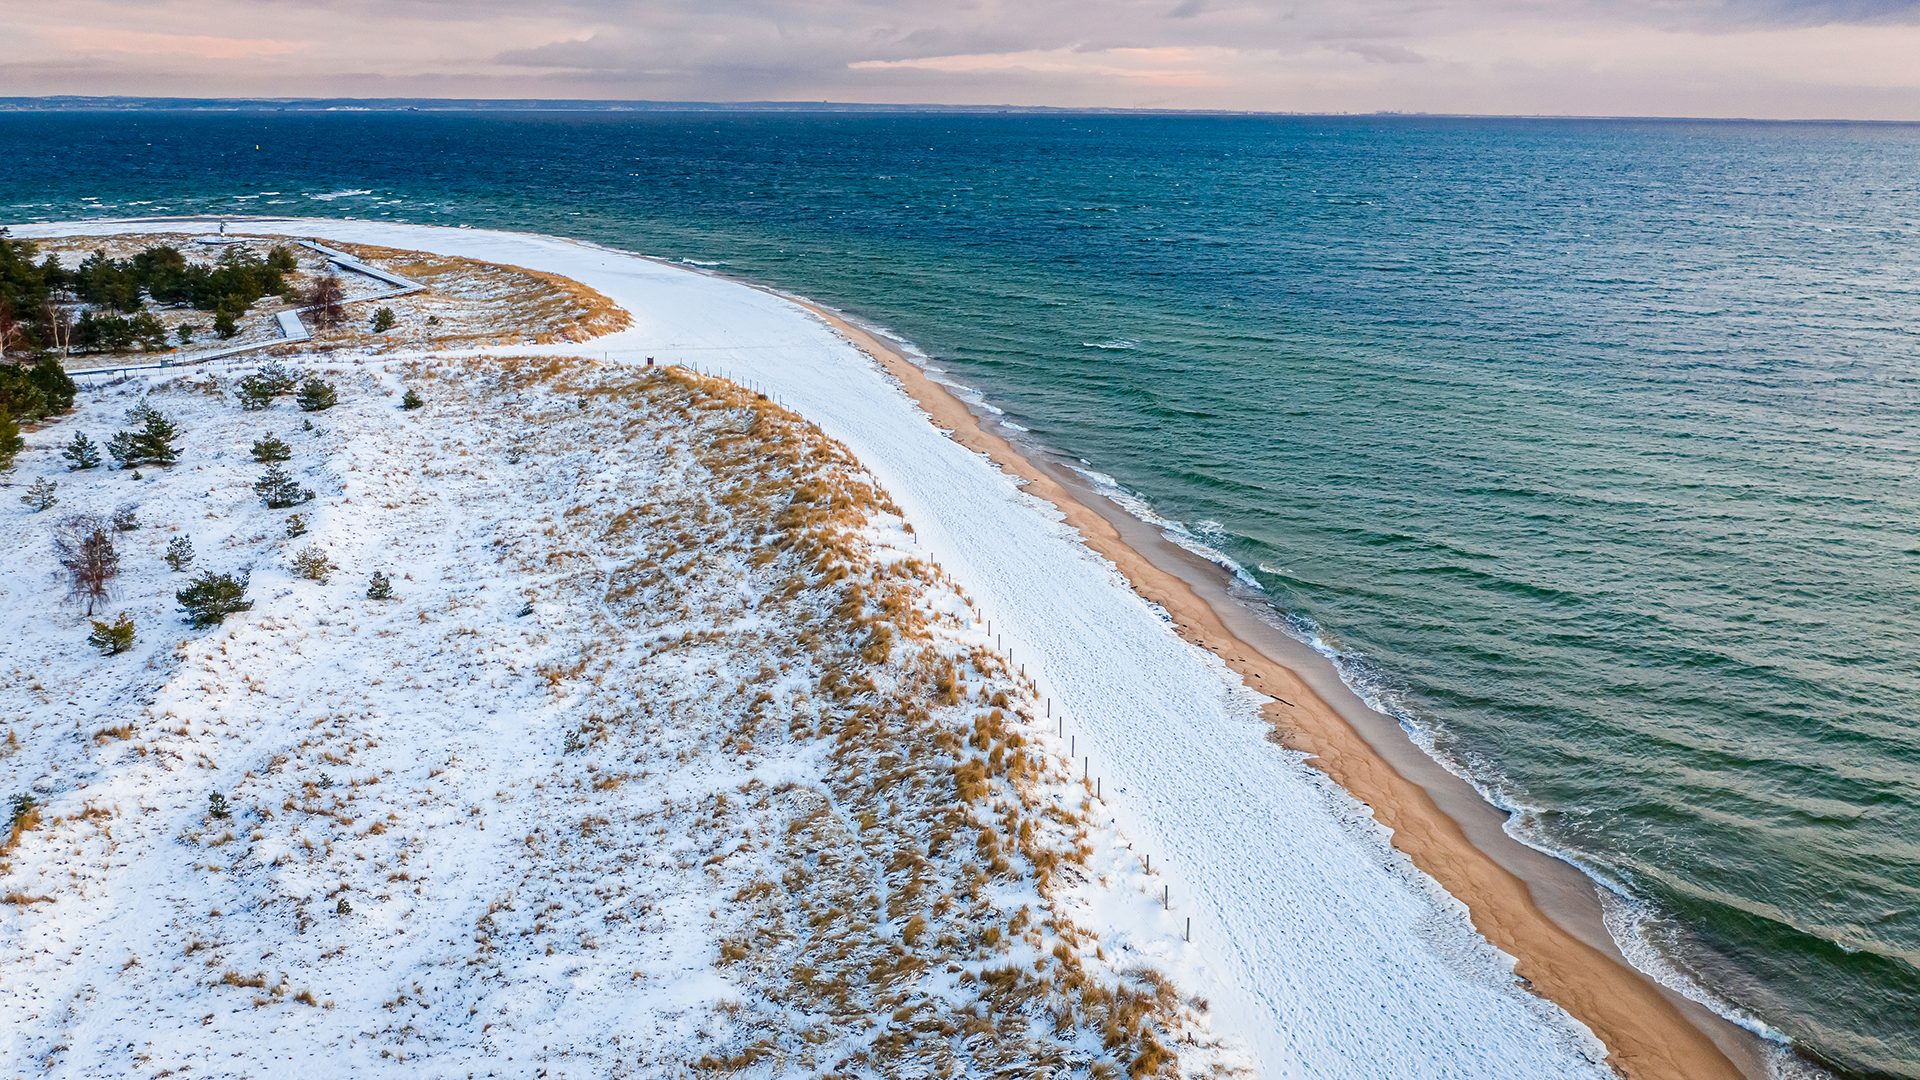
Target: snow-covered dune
(1315,942)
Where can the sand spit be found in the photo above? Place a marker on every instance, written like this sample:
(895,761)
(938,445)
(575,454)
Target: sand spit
(1331,953)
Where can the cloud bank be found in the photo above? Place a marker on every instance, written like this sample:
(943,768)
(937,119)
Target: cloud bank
(1762,58)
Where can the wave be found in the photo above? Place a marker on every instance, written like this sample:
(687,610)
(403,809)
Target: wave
(1634,924)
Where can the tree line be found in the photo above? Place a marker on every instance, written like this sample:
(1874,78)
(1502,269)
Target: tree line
(116,291)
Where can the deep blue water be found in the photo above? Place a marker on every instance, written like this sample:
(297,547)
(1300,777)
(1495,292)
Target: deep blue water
(1588,445)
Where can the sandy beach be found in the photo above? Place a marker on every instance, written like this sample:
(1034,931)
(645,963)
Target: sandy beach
(1327,961)
(1649,1030)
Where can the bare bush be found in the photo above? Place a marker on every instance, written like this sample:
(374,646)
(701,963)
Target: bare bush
(325,303)
(84,545)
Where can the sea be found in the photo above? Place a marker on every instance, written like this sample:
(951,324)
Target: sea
(1586,448)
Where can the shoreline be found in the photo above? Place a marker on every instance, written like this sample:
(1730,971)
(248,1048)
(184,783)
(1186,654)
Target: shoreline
(1538,909)
(1524,912)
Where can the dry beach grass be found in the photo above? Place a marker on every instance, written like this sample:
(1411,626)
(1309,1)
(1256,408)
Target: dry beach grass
(670,756)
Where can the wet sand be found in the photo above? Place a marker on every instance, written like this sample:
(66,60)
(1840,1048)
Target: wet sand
(1536,908)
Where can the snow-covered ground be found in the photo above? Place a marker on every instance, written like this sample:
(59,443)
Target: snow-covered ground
(1315,942)
(646,766)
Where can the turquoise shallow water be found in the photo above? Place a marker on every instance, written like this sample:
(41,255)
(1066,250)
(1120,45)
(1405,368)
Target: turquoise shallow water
(1588,447)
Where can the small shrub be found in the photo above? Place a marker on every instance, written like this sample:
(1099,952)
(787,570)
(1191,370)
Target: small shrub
(40,495)
(312,564)
(223,323)
(212,597)
(343,908)
(152,443)
(412,400)
(81,453)
(23,813)
(380,588)
(217,805)
(383,320)
(124,520)
(271,448)
(185,332)
(279,490)
(114,638)
(433,320)
(296,525)
(316,395)
(180,553)
(258,390)
(254,394)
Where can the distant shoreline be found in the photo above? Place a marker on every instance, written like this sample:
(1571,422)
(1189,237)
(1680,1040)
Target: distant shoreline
(79,104)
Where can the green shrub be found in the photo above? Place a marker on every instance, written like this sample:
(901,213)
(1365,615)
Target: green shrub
(271,448)
(412,400)
(312,564)
(224,325)
(279,490)
(185,333)
(81,453)
(180,553)
(124,520)
(316,396)
(112,639)
(296,525)
(212,597)
(380,588)
(19,397)
(53,381)
(11,442)
(152,444)
(217,805)
(40,495)
(258,390)
(383,320)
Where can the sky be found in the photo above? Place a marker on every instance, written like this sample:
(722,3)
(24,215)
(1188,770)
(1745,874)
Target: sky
(1853,59)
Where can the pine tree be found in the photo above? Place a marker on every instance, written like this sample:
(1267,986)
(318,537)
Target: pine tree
(383,320)
(271,448)
(279,490)
(180,553)
(115,638)
(82,452)
(255,393)
(53,381)
(380,588)
(412,400)
(11,441)
(212,597)
(124,520)
(40,495)
(316,396)
(223,324)
(151,444)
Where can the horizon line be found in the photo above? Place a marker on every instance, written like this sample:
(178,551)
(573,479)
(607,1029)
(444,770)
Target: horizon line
(139,103)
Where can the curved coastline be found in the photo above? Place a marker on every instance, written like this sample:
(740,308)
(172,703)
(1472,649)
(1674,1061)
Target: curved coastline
(1536,908)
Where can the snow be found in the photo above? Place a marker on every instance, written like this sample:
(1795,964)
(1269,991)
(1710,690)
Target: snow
(1318,946)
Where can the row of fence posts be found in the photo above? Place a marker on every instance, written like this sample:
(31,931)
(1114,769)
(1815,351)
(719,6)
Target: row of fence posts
(1086,770)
